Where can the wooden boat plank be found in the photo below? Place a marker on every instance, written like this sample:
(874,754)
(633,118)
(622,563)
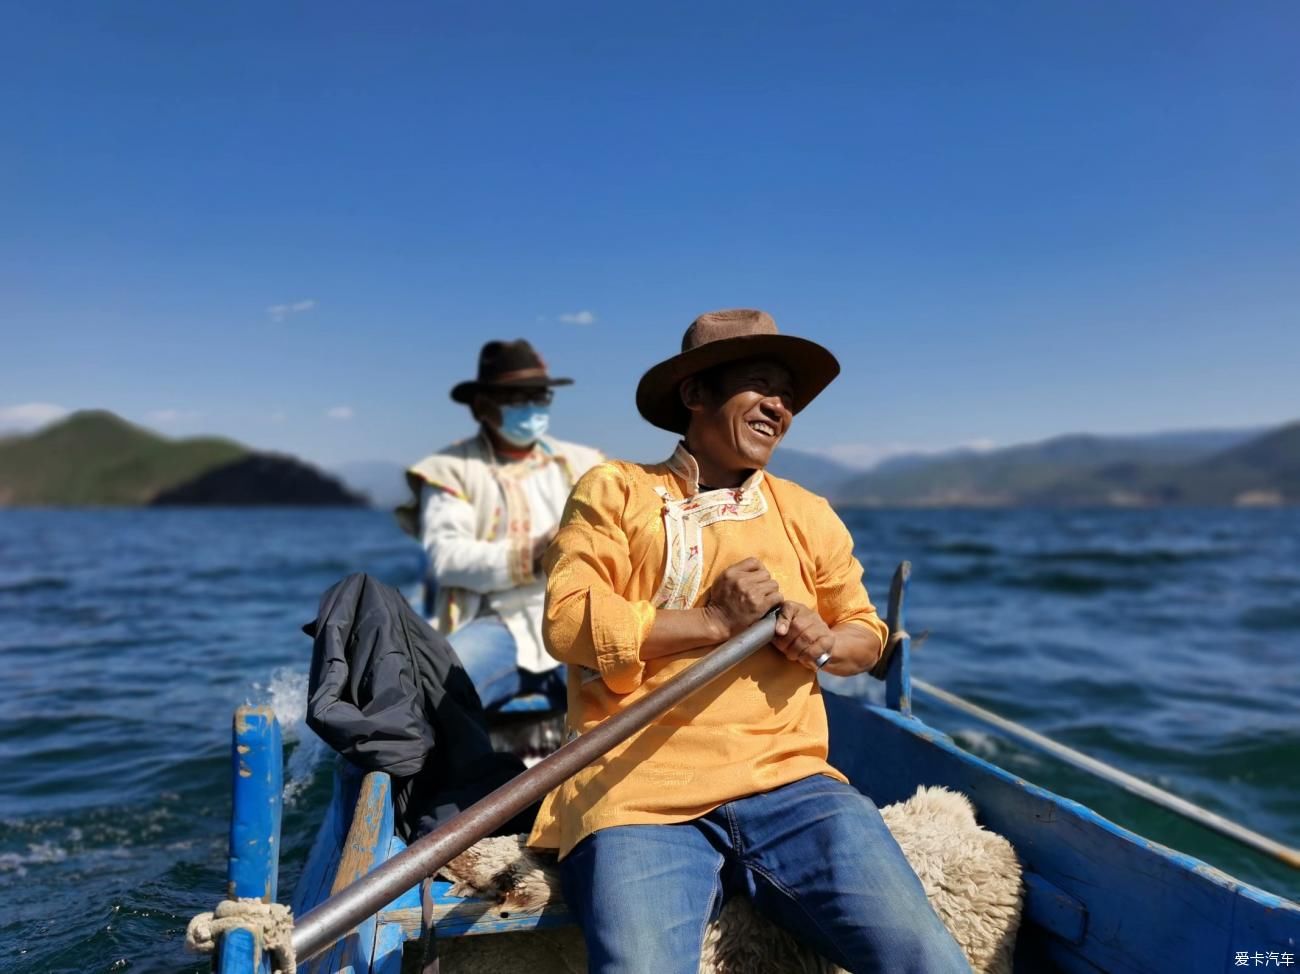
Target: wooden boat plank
(323,859)
(457,917)
(364,848)
(238,949)
(1053,909)
(389,935)
(388,948)
(257,788)
(411,897)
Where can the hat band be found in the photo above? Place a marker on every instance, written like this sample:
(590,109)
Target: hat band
(514,375)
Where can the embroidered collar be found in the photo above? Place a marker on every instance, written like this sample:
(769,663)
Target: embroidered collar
(685,519)
(687,470)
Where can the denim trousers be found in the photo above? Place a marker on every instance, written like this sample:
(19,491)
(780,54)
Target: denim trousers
(488,653)
(814,856)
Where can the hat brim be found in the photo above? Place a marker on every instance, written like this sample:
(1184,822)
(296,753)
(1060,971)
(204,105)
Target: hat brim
(464,392)
(811,366)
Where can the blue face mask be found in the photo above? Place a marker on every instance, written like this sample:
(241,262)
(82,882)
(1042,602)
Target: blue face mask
(524,425)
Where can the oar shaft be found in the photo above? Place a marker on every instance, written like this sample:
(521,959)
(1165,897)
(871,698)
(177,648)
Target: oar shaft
(1143,789)
(326,923)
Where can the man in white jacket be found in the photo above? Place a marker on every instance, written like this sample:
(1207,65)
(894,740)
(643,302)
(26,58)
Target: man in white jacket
(484,509)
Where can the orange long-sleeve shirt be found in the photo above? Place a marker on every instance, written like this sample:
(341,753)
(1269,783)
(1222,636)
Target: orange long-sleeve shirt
(635,538)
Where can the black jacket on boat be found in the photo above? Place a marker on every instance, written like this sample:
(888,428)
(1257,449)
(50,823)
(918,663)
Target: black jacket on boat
(389,694)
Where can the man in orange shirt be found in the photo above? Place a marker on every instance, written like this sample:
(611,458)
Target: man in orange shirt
(653,566)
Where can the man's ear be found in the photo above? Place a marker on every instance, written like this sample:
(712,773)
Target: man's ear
(692,393)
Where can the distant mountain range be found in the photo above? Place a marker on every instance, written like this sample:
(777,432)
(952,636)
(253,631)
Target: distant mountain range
(1214,468)
(817,473)
(95,459)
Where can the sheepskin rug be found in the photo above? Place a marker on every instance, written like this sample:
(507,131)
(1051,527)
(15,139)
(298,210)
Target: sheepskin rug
(971,876)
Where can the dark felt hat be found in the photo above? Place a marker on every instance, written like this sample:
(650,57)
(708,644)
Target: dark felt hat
(721,337)
(507,365)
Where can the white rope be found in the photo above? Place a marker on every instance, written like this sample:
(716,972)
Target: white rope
(270,923)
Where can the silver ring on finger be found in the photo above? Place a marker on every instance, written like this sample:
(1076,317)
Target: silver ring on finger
(823,659)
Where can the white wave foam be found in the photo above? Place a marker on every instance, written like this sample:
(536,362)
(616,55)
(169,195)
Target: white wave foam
(981,742)
(991,747)
(978,742)
(286,693)
(38,854)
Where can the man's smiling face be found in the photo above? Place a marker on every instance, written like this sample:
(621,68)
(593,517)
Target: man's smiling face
(739,413)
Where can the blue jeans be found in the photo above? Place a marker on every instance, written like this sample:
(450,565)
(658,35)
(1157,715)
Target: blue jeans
(488,653)
(814,856)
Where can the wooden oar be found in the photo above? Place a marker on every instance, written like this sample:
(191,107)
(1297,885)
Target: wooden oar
(326,923)
(1158,796)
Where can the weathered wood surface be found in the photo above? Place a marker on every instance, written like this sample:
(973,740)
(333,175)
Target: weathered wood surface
(1054,910)
(237,952)
(365,846)
(389,938)
(323,858)
(455,916)
(253,866)
(390,935)
(257,783)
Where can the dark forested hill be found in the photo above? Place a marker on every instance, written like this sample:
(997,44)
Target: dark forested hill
(97,459)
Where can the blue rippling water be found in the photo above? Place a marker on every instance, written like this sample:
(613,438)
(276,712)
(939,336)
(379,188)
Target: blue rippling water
(1165,642)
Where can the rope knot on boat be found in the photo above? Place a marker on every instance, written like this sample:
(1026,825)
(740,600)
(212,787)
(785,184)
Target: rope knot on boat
(270,923)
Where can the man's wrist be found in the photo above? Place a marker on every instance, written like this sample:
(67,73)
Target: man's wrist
(715,626)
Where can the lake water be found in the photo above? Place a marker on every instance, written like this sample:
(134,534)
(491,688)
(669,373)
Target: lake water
(1165,642)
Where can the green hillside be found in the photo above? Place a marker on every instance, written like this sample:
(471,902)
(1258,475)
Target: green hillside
(95,458)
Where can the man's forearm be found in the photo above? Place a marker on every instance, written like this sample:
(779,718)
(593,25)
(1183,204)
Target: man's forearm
(478,566)
(857,649)
(681,630)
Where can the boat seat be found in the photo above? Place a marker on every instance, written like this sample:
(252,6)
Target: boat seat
(468,916)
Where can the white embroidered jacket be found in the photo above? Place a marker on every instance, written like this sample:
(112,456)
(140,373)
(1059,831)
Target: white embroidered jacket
(477,516)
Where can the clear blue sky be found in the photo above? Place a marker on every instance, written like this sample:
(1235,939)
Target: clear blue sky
(1009,220)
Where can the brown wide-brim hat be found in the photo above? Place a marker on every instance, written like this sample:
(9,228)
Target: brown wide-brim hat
(507,365)
(722,337)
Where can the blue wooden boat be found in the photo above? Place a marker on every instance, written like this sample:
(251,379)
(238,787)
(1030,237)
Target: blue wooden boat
(1097,896)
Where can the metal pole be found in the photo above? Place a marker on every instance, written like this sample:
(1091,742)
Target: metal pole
(1136,786)
(318,928)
